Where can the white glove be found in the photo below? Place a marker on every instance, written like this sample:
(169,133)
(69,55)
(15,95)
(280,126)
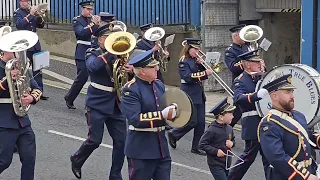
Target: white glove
(262,93)
(169,111)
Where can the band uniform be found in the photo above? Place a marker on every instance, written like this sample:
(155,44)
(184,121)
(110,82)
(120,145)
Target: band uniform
(231,60)
(245,97)
(146,144)
(219,137)
(192,74)
(16,131)
(83,28)
(146,45)
(24,20)
(283,142)
(102,108)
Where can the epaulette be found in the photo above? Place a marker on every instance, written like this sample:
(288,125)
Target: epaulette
(76,17)
(139,40)
(17,10)
(181,58)
(228,48)
(265,128)
(240,76)
(89,51)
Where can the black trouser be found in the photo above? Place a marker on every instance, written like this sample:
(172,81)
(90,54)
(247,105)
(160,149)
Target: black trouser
(24,139)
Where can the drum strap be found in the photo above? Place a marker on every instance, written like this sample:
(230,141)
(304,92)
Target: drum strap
(294,123)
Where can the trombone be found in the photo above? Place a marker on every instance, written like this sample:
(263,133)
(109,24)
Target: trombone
(216,69)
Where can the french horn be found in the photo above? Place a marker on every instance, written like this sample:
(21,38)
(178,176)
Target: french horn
(155,34)
(121,44)
(18,42)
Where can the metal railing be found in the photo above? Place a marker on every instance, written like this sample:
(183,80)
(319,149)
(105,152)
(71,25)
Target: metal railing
(131,12)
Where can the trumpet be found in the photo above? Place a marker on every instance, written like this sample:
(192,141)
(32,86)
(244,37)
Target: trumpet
(95,17)
(216,69)
(41,9)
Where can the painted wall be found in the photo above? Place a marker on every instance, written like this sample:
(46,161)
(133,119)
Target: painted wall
(283,30)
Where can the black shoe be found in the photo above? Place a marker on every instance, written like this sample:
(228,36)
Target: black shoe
(76,171)
(44,97)
(69,105)
(172,140)
(198,151)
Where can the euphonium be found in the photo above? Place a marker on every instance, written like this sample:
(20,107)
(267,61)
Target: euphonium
(251,34)
(18,42)
(121,44)
(156,34)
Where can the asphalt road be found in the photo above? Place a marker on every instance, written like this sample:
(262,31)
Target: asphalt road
(60,132)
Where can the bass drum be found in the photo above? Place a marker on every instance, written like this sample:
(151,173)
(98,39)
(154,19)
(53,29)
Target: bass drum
(306,80)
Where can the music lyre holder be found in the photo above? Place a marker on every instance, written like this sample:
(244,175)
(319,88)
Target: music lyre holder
(231,154)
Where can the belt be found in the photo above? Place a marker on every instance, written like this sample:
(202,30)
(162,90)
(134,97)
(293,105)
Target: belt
(249,113)
(5,101)
(132,128)
(84,42)
(101,87)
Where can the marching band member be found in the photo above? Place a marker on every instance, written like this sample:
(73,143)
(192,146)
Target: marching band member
(237,48)
(245,97)
(144,44)
(28,18)
(218,139)
(192,73)
(83,26)
(284,135)
(146,144)
(105,19)
(15,130)
(102,108)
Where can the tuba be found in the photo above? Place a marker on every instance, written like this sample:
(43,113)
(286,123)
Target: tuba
(251,34)
(119,26)
(121,44)
(18,42)
(3,31)
(155,34)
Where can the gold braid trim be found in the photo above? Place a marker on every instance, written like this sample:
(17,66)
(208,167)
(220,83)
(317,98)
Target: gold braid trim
(293,132)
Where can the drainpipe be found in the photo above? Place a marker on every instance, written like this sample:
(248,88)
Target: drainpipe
(307,35)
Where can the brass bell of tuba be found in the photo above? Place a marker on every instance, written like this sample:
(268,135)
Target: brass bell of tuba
(121,44)
(118,26)
(18,42)
(251,34)
(156,34)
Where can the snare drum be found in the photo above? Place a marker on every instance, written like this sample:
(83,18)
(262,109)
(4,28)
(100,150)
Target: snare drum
(306,96)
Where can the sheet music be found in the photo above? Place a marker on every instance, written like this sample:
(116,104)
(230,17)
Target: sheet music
(41,60)
(136,35)
(169,40)
(265,44)
(213,57)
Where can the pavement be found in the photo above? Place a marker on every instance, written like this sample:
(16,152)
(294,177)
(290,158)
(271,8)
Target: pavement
(60,132)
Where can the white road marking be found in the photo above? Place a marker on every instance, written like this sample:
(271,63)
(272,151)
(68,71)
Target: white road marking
(61,59)
(61,77)
(110,147)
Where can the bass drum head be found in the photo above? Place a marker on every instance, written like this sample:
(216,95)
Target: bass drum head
(306,95)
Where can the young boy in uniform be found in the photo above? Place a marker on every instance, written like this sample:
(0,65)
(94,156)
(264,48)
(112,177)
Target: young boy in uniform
(219,138)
